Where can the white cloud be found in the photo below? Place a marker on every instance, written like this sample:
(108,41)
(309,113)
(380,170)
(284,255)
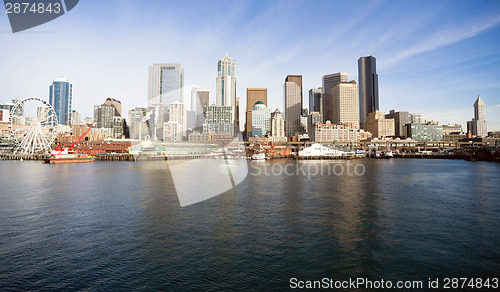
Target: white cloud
(443,38)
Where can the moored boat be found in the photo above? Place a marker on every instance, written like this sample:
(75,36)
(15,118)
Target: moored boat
(69,158)
(66,155)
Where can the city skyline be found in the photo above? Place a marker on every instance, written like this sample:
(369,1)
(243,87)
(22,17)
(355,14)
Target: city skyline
(431,59)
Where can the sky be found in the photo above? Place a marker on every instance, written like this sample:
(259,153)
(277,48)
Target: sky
(433,57)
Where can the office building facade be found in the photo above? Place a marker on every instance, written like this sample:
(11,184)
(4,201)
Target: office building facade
(116,104)
(345,109)
(200,99)
(379,126)
(478,126)
(76,117)
(219,119)
(401,118)
(165,83)
(253,95)
(261,119)
(137,123)
(424,132)
(226,84)
(293,104)
(61,97)
(177,115)
(368,87)
(329,81)
(316,99)
(329,132)
(277,127)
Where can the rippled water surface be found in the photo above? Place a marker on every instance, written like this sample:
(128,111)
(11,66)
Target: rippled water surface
(119,225)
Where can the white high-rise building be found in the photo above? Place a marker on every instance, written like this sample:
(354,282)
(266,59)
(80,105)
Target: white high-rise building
(165,83)
(172,131)
(261,119)
(277,125)
(226,84)
(345,109)
(76,117)
(194,96)
(138,127)
(175,128)
(200,99)
(219,119)
(478,126)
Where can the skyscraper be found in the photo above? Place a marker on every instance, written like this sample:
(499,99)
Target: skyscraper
(116,104)
(200,99)
(478,126)
(226,83)
(329,81)
(345,107)
(237,114)
(253,95)
(60,97)
(137,123)
(277,127)
(103,115)
(261,119)
(165,82)
(76,117)
(293,104)
(316,99)
(218,118)
(175,128)
(368,87)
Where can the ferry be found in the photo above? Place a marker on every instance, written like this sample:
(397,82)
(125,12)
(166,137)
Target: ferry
(259,156)
(318,150)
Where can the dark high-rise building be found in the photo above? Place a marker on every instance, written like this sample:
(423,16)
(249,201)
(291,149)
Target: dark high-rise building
(368,87)
(253,95)
(293,104)
(237,114)
(316,100)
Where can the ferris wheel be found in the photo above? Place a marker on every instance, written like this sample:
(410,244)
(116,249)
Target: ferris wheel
(33,126)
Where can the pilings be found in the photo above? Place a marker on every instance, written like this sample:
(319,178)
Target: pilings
(327,157)
(23,156)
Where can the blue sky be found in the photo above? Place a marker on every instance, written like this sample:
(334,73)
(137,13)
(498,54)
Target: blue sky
(433,57)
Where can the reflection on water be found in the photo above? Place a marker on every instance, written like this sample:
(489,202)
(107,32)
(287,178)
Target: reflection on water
(121,225)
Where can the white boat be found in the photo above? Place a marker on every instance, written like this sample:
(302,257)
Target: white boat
(259,156)
(388,154)
(316,150)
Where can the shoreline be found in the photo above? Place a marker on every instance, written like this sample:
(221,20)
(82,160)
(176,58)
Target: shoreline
(128,157)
